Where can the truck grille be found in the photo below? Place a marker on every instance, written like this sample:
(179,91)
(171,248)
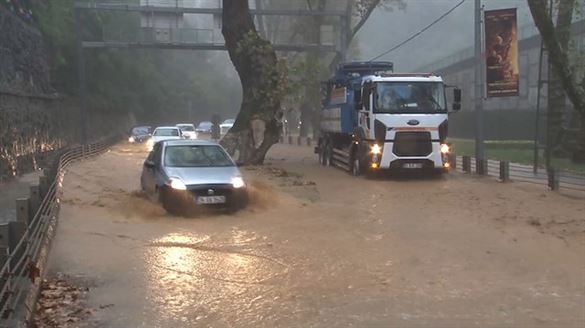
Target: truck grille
(409,144)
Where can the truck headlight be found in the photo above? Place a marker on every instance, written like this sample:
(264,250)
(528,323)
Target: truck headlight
(131,140)
(445,149)
(238,182)
(376,149)
(177,184)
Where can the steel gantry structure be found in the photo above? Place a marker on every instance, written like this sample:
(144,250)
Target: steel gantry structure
(176,9)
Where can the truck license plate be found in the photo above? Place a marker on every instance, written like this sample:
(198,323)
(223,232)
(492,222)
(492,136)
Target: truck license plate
(204,200)
(412,165)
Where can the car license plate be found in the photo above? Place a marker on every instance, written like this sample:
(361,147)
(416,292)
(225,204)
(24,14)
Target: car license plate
(204,200)
(412,165)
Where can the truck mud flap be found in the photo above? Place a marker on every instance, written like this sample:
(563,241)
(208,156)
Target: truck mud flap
(341,159)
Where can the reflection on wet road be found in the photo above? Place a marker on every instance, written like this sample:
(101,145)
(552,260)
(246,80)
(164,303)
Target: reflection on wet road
(186,275)
(319,248)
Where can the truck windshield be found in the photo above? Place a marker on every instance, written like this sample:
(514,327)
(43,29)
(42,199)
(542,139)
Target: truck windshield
(410,97)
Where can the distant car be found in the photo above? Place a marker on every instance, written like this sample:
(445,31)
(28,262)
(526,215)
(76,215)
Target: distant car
(204,127)
(139,134)
(164,133)
(188,130)
(191,175)
(226,126)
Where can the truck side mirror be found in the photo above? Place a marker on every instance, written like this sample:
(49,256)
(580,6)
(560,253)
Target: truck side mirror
(457,95)
(456,99)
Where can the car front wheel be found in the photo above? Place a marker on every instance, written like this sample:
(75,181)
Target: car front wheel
(169,203)
(239,201)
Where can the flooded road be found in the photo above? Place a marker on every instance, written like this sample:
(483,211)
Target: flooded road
(319,248)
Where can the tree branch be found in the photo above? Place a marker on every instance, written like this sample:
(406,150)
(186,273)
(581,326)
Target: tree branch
(557,55)
(364,17)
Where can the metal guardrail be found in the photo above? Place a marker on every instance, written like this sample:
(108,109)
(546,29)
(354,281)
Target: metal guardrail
(25,243)
(554,179)
(504,171)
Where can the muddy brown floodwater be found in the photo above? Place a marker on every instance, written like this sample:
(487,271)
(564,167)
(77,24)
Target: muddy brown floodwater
(319,248)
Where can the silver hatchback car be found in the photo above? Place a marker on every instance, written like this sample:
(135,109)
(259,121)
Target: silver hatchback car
(191,175)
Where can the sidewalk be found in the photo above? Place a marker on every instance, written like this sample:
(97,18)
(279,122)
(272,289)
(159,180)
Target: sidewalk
(13,189)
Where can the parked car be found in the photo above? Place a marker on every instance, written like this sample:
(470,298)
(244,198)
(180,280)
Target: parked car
(191,175)
(163,133)
(204,127)
(139,134)
(188,130)
(226,126)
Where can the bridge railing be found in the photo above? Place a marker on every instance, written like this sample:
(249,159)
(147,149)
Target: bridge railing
(25,243)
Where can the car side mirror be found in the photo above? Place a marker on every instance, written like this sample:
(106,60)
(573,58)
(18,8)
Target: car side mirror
(149,164)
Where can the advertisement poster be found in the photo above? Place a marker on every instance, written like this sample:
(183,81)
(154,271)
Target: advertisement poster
(501,46)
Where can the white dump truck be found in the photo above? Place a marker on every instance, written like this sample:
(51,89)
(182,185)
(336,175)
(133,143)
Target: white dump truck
(374,119)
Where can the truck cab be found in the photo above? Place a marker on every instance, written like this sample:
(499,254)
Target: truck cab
(386,121)
(402,123)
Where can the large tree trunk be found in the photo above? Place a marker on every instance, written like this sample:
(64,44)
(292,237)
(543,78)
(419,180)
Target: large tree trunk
(559,59)
(256,128)
(556,94)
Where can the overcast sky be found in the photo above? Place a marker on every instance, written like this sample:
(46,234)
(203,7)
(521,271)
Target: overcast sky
(456,32)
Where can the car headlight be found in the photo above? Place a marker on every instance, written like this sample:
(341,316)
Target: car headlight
(238,182)
(376,149)
(131,140)
(177,184)
(445,149)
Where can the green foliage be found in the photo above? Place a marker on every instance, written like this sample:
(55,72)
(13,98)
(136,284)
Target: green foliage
(154,85)
(274,78)
(362,7)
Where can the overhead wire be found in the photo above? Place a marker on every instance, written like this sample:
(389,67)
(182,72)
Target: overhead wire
(412,37)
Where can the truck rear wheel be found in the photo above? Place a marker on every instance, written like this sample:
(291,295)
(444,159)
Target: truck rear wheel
(325,154)
(322,153)
(327,160)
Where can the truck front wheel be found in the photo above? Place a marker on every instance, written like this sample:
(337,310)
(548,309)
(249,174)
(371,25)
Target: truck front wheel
(356,164)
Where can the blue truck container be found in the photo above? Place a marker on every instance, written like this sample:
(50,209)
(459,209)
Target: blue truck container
(339,115)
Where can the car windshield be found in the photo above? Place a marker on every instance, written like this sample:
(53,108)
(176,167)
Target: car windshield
(166,132)
(204,125)
(409,97)
(141,130)
(187,127)
(196,156)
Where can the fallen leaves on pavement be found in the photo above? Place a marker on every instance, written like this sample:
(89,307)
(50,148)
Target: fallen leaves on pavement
(61,304)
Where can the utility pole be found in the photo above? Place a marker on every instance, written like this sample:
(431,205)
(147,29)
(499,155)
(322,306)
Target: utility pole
(479,135)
